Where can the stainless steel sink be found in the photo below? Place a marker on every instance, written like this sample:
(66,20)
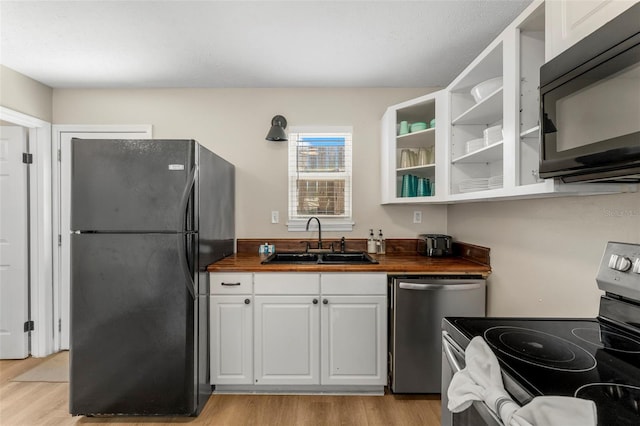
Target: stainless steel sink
(347,257)
(304,258)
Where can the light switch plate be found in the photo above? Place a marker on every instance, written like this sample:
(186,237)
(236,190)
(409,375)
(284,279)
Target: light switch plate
(275,216)
(417,216)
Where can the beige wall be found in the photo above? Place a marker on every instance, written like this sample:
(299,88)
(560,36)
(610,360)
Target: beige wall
(23,94)
(234,123)
(545,253)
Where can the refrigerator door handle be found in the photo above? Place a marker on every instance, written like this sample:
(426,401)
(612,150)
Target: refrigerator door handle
(184,264)
(184,200)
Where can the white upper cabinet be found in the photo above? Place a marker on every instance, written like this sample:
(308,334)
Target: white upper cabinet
(487,147)
(569,21)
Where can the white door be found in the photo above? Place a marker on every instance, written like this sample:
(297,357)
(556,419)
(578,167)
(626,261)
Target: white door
(14,302)
(287,339)
(354,344)
(64,135)
(231,329)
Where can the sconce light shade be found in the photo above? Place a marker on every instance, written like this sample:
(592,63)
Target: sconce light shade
(277,133)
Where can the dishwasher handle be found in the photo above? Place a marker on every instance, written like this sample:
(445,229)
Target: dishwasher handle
(434,286)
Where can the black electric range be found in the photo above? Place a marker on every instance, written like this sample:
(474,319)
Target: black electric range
(596,359)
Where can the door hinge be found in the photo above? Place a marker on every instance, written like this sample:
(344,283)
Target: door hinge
(29,326)
(59,155)
(59,325)
(59,240)
(27,158)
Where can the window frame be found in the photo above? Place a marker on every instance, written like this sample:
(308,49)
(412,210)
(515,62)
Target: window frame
(298,224)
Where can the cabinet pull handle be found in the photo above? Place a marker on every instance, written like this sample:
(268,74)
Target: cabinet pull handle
(325,301)
(315,301)
(223,283)
(247,301)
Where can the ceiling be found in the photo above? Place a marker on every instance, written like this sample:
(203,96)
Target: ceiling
(302,43)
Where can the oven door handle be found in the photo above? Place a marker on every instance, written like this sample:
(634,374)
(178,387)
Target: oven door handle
(449,346)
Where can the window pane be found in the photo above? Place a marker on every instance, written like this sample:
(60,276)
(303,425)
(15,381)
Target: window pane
(321,154)
(321,197)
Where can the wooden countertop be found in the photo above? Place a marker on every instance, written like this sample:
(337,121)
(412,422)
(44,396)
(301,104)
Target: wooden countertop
(390,263)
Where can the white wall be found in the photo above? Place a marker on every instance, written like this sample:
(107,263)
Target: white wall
(234,123)
(545,253)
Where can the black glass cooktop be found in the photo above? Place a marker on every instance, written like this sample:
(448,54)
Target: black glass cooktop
(573,357)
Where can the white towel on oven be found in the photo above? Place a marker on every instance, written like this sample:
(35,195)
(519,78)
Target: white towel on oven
(481,380)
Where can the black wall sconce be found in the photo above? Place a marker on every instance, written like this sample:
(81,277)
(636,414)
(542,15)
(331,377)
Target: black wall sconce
(277,133)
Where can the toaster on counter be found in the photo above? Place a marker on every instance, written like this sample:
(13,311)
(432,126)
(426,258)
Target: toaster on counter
(434,245)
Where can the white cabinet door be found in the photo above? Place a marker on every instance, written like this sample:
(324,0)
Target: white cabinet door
(287,340)
(568,21)
(354,340)
(231,331)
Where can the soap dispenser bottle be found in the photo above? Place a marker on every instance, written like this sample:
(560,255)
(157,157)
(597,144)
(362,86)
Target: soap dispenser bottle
(371,243)
(381,246)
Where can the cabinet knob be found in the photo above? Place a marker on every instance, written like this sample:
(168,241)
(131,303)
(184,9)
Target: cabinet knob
(315,301)
(247,301)
(325,301)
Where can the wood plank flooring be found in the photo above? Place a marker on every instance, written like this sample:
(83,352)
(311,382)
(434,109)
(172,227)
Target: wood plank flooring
(39,403)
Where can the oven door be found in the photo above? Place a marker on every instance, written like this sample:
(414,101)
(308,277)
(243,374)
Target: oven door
(478,414)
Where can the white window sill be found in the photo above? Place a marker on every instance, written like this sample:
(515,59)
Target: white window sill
(344,225)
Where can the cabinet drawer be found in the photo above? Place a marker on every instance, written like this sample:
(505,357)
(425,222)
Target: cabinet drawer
(354,283)
(287,283)
(231,283)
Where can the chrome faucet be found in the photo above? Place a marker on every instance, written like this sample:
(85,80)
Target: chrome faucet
(319,230)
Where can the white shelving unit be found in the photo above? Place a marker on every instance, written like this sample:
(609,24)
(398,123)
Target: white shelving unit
(488,154)
(515,55)
(470,119)
(423,109)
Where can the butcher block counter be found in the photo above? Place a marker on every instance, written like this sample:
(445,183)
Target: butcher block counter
(400,258)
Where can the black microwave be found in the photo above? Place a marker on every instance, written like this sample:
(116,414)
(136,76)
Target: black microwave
(590,106)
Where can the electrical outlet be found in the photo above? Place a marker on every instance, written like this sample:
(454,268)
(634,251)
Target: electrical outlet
(275,216)
(417,216)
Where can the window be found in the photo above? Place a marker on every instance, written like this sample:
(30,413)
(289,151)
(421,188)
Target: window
(320,178)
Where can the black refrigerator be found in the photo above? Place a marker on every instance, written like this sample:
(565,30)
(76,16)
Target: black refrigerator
(147,217)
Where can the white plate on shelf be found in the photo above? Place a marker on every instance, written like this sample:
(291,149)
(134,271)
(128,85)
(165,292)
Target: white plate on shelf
(474,145)
(471,185)
(495,182)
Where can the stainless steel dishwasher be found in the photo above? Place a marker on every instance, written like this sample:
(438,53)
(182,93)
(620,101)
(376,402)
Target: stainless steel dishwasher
(417,306)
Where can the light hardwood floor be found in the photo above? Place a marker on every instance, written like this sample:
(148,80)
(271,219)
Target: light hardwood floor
(38,403)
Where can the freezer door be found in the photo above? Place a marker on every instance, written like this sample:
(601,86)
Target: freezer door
(133,346)
(131,185)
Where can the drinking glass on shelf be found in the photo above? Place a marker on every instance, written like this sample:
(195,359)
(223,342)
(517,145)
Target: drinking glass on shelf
(431,158)
(405,158)
(409,186)
(404,128)
(406,186)
(423,156)
(413,191)
(424,187)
